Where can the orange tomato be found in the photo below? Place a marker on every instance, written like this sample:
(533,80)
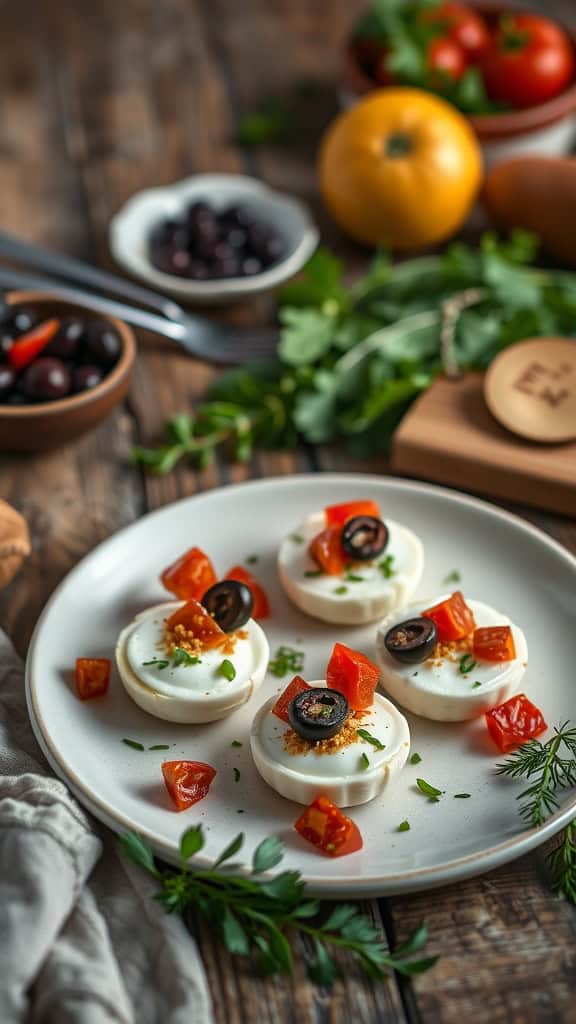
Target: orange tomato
(261,609)
(327,551)
(401,168)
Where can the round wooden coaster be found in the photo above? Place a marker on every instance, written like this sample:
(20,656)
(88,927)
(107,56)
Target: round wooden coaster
(530,388)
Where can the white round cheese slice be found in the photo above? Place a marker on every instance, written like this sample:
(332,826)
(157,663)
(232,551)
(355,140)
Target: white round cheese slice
(366,593)
(439,689)
(187,693)
(342,776)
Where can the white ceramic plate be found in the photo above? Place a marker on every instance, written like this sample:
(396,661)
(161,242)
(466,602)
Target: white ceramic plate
(502,560)
(130,229)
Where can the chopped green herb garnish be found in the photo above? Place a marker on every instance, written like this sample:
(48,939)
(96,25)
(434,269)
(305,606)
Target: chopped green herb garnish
(251,559)
(297,538)
(364,762)
(134,744)
(404,826)
(159,662)
(312,573)
(236,774)
(341,590)
(352,577)
(386,567)
(427,789)
(286,659)
(181,657)
(241,811)
(226,669)
(365,735)
(461,796)
(160,746)
(476,684)
(467,663)
(236,743)
(415,759)
(452,577)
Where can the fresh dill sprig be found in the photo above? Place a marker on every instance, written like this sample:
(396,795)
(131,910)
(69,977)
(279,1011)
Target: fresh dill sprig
(551,770)
(252,914)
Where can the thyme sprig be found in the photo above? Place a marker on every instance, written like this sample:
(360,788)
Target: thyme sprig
(252,914)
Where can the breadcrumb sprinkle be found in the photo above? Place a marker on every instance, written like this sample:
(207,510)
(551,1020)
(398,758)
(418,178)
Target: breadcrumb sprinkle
(451,650)
(184,638)
(294,744)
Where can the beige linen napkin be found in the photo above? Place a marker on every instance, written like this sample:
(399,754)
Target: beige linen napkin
(81,939)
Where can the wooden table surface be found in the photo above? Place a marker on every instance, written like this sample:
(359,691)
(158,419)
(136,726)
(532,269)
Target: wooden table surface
(101,99)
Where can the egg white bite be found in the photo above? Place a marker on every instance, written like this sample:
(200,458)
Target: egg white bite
(188,693)
(438,688)
(342,775)
(366,592)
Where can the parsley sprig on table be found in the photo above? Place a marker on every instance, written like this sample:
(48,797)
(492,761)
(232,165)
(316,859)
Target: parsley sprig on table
(252,913)
(352,359)
(552,767)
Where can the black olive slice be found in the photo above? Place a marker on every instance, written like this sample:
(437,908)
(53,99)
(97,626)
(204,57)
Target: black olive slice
(411,641)
(364,538)
(318,713)
(230,604)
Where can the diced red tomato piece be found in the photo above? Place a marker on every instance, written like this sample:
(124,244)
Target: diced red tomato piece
(326,550)
(261,608)
(337,515)
(515,722)
(453,618)
(194,617)
(187,781)
(494,643)
(190,576)
(354,675)
(328,829)
(92,677)
(30,345)
(285,699)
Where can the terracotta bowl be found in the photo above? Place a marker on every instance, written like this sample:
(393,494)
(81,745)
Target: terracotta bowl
(547,129)
(37,427)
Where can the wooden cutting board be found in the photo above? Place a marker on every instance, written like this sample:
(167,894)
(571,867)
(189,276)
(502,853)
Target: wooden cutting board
(449,436)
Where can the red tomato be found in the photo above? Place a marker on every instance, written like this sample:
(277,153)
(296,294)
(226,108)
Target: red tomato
(187,781)
(327,551)
(445,61)
(529,60)
(326,827)
(190,576)
(494,643)
(285,699)
(92,676)
(337,515)
(261,609)
(194,617)
(354,675)
(514,722)
(452,618)
(462,25)
(29,345)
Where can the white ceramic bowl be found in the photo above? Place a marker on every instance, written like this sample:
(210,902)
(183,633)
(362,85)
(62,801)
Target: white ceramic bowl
(130,229)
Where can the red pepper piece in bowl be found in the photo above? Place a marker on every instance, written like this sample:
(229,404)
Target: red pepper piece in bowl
(515,722)
(453,618)
(31,344)
(354,675)
(187,781)
(328,829)
(92,676)
(190,576)
(261,609)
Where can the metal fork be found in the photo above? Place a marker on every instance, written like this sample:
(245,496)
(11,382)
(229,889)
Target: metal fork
(201,337)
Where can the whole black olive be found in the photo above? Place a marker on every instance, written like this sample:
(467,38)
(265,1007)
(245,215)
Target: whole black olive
(230,604)
(364,538)
(64,344)
(412,641)
(86,377)
(318,713)
(7,380)
(46,379)
(20,319)
(101,344)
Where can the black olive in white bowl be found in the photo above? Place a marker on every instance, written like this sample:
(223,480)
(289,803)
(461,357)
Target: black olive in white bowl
(213,239)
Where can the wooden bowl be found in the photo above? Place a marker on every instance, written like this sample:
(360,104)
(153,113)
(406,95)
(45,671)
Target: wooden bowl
(37,427)
(546,128)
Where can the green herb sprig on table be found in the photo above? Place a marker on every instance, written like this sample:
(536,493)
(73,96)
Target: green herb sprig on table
(286,660)
(252,914)
(552,767)
(352,359)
